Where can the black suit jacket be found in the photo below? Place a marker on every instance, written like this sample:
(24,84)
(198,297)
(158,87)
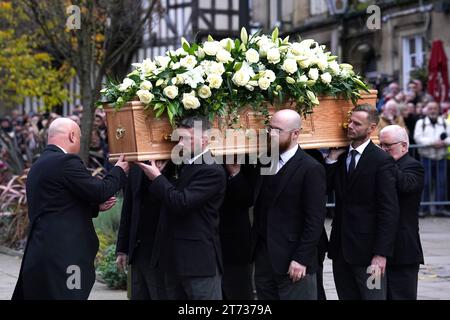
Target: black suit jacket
(410,182)
(63,197)
(296,216)
(187,240)
(367,213)
(140,215)
(234,223)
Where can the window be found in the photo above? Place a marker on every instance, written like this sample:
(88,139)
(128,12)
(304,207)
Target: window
(318,7)
(413,56)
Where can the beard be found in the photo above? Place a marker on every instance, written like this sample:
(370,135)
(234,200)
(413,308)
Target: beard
(283,146)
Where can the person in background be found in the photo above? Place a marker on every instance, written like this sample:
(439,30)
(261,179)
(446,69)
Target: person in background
(432,134)
(403,268)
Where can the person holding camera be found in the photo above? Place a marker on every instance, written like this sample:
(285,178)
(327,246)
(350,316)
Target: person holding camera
(432,134)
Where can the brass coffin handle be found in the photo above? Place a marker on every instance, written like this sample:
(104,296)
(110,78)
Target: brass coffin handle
(120,133)
(167,137)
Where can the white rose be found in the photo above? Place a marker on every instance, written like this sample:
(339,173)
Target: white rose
(252,56)
(171,92)
(163,62)
(190,101)
(224,56)
(181,52)
(334,66)
(290,66)
(144,96)
(148,66)
(313,74)
(264,83)
(146,85)
(322,62)
(303,79)
(326,78)
(211,47)
(304,61)
(216,68)
(306,44)
(215,81)
(297,49)
(204,92)
(249,87)
(188,62)
(127,83)
(241,78)
(270,75)
(225,42)
(273,55)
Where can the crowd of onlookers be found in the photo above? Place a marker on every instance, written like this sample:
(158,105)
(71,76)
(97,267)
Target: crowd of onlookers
(23,137)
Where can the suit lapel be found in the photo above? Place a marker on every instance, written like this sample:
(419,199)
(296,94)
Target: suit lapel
(289,170)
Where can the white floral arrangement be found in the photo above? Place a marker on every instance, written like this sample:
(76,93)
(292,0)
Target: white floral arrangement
(222,77)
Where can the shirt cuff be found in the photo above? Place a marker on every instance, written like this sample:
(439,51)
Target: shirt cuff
(329,161)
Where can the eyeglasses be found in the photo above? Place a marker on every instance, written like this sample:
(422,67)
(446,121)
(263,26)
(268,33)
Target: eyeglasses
(389,145)
(269,129)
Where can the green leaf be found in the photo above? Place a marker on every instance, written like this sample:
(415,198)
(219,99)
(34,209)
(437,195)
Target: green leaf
(238,66)
(160,112)
(210,38)
(275,34)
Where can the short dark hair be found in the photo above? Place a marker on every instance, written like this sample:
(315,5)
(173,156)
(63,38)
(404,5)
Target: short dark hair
(371,111)
(189,122)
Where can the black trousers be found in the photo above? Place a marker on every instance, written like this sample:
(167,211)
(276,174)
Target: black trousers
(147,283)
(402,282)
(237,282)
(273,286)
(193,288)
(356,283)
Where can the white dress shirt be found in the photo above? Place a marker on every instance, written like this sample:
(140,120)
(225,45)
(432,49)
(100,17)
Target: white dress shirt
(360,151)
(191,161)
(285,157)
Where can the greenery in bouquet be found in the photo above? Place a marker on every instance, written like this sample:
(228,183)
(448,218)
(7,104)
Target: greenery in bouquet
(221,77)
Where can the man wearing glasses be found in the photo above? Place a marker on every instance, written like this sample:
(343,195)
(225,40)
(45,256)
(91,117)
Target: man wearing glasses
(403,268)
(289,214)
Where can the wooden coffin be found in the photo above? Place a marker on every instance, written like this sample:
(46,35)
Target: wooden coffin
(140,136)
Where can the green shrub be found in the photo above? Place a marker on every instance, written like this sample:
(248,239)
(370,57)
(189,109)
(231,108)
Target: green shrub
(113,277)
(107,226)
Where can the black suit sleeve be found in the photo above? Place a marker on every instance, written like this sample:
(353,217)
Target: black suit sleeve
(123,235)
(313,203)
(88,188)
(202,186)
(331,170)
(387,209)
(410,178)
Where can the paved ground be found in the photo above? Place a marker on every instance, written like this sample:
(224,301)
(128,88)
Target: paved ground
(434,277)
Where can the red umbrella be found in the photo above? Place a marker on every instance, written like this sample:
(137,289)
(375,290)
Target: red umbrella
(438,72)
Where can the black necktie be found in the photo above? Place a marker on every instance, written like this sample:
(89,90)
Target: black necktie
(352,165)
